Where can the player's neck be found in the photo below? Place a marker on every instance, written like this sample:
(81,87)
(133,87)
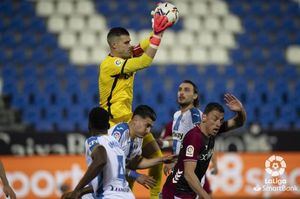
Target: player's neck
(203,129)
(186,108)
(131,130)
(113,54)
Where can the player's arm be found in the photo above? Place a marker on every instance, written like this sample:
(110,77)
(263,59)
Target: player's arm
(6,188)
(146,181)
(131,65)
(139,49)
(192,179)
(99,157)
(77,193)
(166,139)
(214,164)
(165,143)
(239,119)
(147,163)
(138,63)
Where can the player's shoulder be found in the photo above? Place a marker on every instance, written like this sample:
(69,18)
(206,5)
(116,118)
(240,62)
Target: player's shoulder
(92,142)
(119,130)
(177,113)
(194,133)
(196,115)
(195,110)
(92,139)
(111,61)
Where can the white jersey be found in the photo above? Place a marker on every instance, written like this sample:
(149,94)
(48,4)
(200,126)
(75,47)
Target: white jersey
(131,147)
(111,182)
(182,123)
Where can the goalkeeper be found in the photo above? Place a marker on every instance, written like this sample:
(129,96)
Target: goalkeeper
(116,78)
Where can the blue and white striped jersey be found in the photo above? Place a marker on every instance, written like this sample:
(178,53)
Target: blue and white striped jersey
(182,123)
(111,182)
(131,147)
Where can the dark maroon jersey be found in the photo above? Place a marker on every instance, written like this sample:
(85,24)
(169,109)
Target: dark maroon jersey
(195,147)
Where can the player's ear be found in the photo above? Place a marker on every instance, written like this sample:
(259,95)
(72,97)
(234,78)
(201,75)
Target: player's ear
(204,117)
(114,45)
(195,96)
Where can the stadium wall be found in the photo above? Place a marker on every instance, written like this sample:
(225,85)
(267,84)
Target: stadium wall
(241,175)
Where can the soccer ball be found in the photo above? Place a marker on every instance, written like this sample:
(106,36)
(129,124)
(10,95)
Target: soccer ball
(168,10)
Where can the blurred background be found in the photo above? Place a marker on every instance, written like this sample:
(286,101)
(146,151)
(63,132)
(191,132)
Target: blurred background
(50,51)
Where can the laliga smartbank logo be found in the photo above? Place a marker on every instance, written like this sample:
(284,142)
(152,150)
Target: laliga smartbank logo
(275,165)
(275,180)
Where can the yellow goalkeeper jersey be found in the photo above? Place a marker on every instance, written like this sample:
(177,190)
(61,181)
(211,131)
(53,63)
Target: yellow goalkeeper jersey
(116,78)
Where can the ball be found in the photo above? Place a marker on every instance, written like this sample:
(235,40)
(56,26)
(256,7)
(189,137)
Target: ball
(168,10)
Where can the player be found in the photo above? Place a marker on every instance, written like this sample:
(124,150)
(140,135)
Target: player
(184,120)
(186,181)
(9,192)
(116,78)
(106,160)
(130,136)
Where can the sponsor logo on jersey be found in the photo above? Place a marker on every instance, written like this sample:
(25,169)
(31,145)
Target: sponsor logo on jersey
(118,62)
(177,176)
(113,144)
(117,135)
(189,151)
(119,189)
(206,155)
(179,136)
(92,142)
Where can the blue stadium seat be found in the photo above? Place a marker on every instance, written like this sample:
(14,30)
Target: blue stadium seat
(44,126)
(269,72)
(288,113)
(66,126)
(269,24)
(231,71)
(31,115)
(267,115)
(251,117)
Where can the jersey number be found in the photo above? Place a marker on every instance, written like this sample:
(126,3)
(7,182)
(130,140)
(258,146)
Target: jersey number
(121,168)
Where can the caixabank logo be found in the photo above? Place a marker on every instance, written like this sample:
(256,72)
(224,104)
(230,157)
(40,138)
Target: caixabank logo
(275,180)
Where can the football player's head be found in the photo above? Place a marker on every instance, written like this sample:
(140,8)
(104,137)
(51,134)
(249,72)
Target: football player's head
(118,39)
(142,120)
(187,94)
(98,120)
(213,118)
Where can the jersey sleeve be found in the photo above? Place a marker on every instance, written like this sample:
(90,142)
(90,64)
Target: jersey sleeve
(118,131)
(168,130)
(91,143)
(144,44)
(139,49)
(192,146)
(117,66)
(196,115)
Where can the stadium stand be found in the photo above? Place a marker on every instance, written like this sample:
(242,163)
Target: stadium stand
(50,51)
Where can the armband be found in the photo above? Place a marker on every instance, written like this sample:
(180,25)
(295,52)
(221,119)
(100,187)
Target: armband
(133,174)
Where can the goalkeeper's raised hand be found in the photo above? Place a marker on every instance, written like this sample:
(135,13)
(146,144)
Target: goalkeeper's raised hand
(160,23)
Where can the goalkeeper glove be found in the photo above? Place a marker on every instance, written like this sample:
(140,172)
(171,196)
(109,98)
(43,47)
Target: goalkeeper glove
(161,23)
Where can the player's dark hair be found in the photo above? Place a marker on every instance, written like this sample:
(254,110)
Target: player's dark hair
(213,106)
(145,111)
(99,119)
(116,32)
(196,101)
